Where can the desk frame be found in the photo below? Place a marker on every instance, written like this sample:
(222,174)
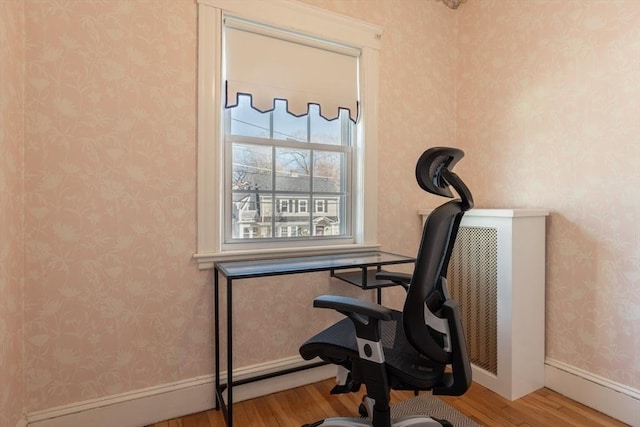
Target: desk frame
(284,266)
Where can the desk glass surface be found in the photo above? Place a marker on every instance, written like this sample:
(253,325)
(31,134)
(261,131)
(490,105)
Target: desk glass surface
(307,264)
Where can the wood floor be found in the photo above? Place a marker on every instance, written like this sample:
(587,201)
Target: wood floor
(293,408)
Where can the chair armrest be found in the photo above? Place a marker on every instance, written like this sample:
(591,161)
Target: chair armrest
(402,279)
(365,315)
(347,306)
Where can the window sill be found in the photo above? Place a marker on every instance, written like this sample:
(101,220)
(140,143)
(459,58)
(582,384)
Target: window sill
(206,260)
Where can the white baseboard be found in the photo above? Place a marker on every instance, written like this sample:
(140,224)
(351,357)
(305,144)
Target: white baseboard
(611,398)
(153,404)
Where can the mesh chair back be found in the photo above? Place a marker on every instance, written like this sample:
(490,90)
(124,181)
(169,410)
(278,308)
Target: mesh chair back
(427,290)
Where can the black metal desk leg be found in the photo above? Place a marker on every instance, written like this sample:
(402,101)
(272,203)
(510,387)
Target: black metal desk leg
(229,355)
(379,288)
(216,319)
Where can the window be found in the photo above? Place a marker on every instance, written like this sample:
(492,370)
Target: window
(268,147)
(276,156)
(283,204)
(321,206)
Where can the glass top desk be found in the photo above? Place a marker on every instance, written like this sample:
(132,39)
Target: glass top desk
(362,269)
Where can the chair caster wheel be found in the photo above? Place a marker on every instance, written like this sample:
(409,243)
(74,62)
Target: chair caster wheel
(366,407)
(362,410)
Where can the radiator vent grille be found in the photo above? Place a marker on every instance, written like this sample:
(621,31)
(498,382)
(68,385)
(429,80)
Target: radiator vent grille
(473,281)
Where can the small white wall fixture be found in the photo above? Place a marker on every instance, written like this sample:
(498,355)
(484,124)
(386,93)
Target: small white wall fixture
(497,274)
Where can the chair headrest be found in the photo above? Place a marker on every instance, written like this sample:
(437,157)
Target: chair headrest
(434,173)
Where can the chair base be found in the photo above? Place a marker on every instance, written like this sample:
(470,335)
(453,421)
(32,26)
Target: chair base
(410,421)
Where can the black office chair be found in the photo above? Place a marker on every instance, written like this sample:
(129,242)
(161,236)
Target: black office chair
(387,349)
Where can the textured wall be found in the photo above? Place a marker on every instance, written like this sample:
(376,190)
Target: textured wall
(12,388)
(549,114)
(114,301)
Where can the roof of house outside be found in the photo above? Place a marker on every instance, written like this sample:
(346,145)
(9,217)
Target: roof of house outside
(287,182)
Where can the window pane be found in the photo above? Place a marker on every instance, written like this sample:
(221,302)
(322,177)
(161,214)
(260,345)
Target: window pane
(328,172)
(244,215)
(303,205)
(293,167)
(252,167)
(251,215)
(248,122)
(288,127)
(324,131)
(265,215)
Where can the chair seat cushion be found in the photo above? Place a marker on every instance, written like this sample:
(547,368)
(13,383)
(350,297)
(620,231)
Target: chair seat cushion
(406,368)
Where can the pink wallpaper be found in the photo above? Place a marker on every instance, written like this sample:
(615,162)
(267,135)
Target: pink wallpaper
(540,94)
(549,113)
(12,385)
(114,301)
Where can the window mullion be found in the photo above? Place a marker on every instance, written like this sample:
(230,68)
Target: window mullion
(338,148)
(274,201)
(346,209)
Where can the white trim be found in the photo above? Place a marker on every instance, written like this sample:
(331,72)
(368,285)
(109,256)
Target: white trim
(611,398)
(498,213)
(205,261)
(153,404)
(367,201)
(209,57)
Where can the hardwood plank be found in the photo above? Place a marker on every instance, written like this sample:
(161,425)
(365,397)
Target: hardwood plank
(300,407)
(603,419)
(254,409)
(196,420)
(215,418)
(176,422)
(245,414)
(319,396)
(474,413)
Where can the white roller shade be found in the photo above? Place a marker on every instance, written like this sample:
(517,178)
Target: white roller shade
(269,64)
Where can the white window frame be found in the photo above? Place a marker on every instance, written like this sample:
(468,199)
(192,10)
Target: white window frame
(302,18)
